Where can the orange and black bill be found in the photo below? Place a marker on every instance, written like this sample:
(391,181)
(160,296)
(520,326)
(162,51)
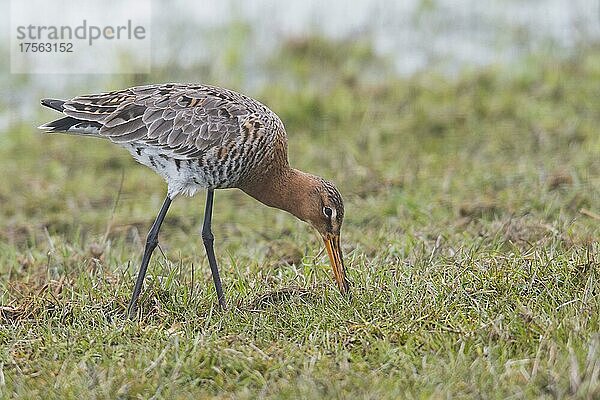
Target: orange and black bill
(332,243)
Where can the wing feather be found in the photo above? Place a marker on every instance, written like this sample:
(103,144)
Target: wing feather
(186,119)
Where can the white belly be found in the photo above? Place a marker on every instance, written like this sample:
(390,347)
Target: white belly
(182,176)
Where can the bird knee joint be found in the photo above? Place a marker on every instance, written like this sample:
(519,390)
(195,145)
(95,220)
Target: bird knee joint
(152,241)
(208,236)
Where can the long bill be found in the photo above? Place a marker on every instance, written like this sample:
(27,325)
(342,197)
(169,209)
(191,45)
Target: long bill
(332,244)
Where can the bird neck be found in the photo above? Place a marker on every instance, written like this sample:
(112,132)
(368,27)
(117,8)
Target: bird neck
(287,190)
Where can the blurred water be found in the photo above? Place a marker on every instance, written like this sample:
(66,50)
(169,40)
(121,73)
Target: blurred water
(413,34)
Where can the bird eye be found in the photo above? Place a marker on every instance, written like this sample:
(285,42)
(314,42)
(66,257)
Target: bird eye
(328,212)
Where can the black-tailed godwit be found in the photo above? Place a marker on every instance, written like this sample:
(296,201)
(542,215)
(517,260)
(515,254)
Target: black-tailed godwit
(204,137)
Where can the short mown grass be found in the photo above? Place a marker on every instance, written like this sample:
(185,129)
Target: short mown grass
(471,239)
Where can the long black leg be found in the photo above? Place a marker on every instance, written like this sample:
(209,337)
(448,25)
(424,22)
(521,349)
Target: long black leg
(208,239)
(151,243)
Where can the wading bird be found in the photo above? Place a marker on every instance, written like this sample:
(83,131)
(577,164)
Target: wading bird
(204,137)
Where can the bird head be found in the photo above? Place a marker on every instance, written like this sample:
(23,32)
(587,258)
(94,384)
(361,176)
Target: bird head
(324,210)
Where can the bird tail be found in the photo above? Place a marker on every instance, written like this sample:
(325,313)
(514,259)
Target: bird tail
(55,104)
(67,124)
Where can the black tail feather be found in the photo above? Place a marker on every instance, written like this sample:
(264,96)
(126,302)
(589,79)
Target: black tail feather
(72,125)
(68,124)
(60,125)
(55,104)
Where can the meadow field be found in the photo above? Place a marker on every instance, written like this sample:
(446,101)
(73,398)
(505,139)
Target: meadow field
(471,239)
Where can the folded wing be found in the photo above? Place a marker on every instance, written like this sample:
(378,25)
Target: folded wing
(185,119)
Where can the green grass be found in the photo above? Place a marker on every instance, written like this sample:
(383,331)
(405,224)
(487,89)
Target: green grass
(471,239)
